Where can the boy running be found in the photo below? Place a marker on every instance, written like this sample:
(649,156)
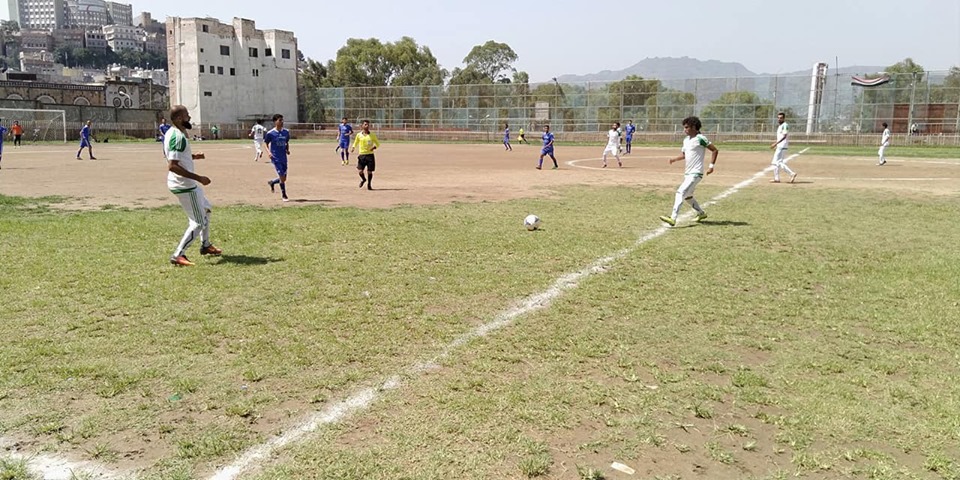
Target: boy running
(368,143)
(693,152)
(613,144)
(547,148)
(506,137)
(278,143)
(85,141)
(343,141)
(256,133)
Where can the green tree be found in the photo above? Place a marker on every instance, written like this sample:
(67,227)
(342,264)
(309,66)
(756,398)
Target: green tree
(905,75)
(738,112)
(949,90)
(667,109)
(413,64)
(628,98)
(371,63)
(492,60)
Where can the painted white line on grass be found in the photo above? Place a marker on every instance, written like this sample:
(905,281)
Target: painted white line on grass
(49,467)
(362,399)
(610,160)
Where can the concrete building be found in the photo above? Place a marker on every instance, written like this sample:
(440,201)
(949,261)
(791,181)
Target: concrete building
(40,63)
(94,39)
(225,73)
(122,37)
(39,14)
(34,40)
(155,43)
(150,25)
(68,37)
(120,13)
(87,13)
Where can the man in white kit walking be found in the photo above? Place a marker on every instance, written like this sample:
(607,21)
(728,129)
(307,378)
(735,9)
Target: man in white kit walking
(780,149)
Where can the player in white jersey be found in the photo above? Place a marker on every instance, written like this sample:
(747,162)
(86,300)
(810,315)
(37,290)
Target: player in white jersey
(884,143)
(613,144)
(185,184)
(694,148)
(780,149)
(257,133)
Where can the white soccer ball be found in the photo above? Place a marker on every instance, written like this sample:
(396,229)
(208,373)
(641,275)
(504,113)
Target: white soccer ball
(532,222)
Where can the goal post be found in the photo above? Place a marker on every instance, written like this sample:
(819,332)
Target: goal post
(39,125)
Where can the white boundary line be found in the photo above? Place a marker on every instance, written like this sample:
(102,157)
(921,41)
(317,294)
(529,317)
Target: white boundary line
(884,179)
(56,468)
(537,301)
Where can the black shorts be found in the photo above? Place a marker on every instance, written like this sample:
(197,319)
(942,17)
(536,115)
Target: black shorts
(367,161)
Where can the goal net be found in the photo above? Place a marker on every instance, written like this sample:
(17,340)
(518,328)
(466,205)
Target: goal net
(38,125)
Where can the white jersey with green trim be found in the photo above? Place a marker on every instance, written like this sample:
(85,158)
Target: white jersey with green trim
(613,138)
(177,147)
(694,151)
(782,131)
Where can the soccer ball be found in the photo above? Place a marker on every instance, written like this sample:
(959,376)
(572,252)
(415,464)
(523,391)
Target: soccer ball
(532,222)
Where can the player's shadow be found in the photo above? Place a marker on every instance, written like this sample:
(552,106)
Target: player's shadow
(311,200)
(722,223)
(247,260)
(390,189)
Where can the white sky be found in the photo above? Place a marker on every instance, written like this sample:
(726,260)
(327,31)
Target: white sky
(577,37)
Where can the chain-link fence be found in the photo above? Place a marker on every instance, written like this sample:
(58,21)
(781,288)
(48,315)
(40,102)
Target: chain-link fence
(921,104)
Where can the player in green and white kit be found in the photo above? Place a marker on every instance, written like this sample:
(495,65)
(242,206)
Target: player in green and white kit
(884,143)
(780,149)
(613,144)
(694,147)
(185,184)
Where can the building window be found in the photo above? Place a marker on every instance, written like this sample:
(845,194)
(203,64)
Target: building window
(201,50)
(207,94)
(254,52)
(285,53)
(256,73)
(233,72)
(213,69)
(219,70)
(201,69)
(267,52)
(204,28)
(224,50)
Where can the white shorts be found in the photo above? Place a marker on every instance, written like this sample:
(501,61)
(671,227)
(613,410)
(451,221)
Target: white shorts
(689,185)
(195,205)
(883,149)
(258,144)
(778,156)
(612,149)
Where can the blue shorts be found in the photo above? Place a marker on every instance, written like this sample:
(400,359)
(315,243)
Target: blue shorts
(344,144)
(84,142)
(629,139)
(280,166)
(547,151)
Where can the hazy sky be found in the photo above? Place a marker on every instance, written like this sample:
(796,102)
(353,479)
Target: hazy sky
(577,37)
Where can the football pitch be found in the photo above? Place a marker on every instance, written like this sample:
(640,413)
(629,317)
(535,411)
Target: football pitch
(419,331)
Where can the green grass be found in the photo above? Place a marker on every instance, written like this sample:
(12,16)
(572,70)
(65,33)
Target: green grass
(798,332)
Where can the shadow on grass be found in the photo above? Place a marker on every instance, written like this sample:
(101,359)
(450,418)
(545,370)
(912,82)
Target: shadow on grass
(246,260)
(311,200)
(724,223)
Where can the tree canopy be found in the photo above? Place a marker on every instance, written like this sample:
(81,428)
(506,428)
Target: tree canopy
(369,62)
(492,60)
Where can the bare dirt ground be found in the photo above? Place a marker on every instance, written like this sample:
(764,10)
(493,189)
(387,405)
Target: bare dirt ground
(134,175)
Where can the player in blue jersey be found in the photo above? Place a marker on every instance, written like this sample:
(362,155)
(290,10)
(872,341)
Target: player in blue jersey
(547,148)
(278,147)
(85,141)
(630,128)
(164,126)
(343,141)
(506,137)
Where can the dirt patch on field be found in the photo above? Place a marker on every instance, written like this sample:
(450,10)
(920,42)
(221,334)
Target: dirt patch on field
(134,175)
